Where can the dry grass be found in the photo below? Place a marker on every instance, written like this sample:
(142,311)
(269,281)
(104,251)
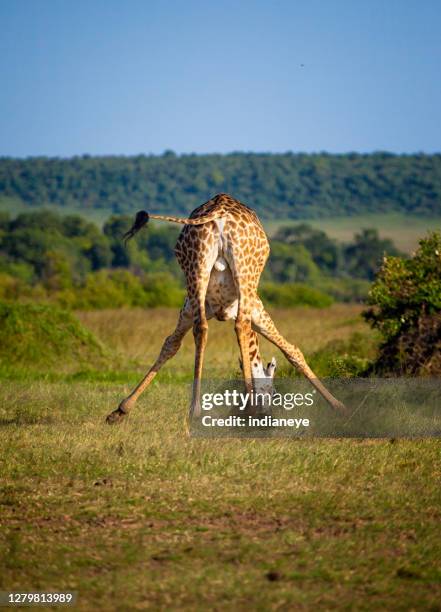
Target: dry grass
(138,334)
(404,230)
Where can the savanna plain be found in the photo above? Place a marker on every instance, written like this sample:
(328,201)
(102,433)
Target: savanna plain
(142,516)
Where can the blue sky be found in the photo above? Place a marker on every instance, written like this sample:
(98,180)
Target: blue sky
(128,76)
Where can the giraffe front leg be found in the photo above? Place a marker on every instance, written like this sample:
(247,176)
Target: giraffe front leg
(263,324)
(244,335)
(169,349)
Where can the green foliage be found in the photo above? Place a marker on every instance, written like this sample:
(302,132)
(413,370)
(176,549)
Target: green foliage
(283,185)
(405,304)
(72,243)
(290,263)
(36,336)
(11,287)
(162,290)
(324,252)
(364,256)
(104,289)
(307,255)
(344,289)
(293,294)
(19,270)
(345,358)
(406,288)
(360,259)
(68,260)
(119,288)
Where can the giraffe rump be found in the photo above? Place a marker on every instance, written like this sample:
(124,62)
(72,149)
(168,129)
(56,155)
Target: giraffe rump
(141,219)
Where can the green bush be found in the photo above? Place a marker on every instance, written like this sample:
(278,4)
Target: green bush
(103,289)
(67,260)
(36,336)
(11,287)
(294,294)
(290,263)
(163,290)
(19,270)
(345,358)
(344,289)
(405,302)
(118,288)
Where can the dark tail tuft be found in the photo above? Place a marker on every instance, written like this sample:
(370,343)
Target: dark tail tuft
(141,219)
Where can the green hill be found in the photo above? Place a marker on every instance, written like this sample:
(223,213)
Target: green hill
(43,337)
(281,186)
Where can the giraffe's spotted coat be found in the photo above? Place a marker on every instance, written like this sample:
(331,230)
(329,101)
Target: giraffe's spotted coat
(222,251)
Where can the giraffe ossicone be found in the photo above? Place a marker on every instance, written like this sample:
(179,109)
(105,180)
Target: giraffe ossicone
(222,250)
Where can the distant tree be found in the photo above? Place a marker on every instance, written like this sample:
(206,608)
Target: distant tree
(363,257)
(44,220)
(100,253)
(75,226)
(294,186)
(115,228)
(290,263)
(28,245)
(56,272)
(44,249)
(324,251)
(5,220)
(159,241)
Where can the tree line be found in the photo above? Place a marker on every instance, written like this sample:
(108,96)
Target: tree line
(45,255)
(288,185)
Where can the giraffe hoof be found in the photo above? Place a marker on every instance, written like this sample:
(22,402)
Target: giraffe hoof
(116,416)
(341,408)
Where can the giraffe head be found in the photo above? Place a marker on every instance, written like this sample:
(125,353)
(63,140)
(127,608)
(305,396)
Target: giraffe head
(263,377)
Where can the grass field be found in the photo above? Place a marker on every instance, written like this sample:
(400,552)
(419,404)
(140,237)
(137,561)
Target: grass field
(404,230)
(140,516)
(137,336)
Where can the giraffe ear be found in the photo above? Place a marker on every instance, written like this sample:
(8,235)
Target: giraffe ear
(271,367)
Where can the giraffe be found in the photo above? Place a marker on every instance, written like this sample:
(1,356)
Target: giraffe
(222,251)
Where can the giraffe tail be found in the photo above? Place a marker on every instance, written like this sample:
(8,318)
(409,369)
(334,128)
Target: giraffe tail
(142,218)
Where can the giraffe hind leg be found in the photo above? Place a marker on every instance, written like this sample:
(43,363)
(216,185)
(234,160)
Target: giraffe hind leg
(242,325)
